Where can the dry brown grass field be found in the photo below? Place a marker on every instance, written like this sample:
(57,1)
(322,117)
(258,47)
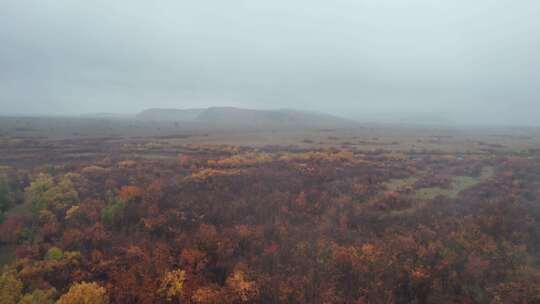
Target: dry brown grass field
(34,140)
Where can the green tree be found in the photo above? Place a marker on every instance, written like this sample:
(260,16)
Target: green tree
(45,193)
(54,253)
(113,214)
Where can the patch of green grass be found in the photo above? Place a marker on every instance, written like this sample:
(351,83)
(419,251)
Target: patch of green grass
(423,195)
(458,184)
(400,183)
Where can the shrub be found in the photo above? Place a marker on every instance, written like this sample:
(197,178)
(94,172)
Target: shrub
(54,253)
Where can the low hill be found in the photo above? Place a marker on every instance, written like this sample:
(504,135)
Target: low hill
(170,114)
(231,116)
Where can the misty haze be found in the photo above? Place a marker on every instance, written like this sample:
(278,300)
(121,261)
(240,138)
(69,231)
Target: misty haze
(369,151)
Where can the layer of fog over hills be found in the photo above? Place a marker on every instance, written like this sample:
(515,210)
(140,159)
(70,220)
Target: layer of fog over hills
(231,116)
(167,122)
(468,62)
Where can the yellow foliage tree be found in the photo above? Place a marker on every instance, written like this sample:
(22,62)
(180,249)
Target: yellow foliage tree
(10,288)
(84,293)
(172,284)
(39,296)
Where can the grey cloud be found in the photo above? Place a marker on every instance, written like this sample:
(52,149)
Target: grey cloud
(473,61)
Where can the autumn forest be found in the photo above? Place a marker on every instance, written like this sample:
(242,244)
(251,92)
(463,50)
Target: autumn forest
(231,224)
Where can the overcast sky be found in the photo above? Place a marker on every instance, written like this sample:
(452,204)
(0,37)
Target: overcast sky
(470,61)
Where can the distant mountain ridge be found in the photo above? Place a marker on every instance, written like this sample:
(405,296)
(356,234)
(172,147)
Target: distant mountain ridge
(170,114)
(231,116)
